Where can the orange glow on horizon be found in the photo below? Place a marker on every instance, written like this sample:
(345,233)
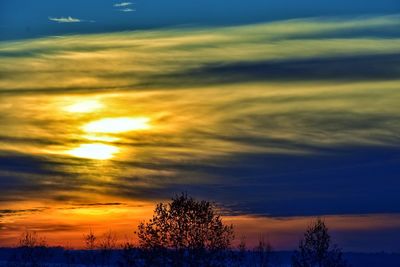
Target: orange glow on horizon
(122,218)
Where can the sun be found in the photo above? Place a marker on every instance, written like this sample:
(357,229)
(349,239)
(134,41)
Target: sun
(94,151)
(117,125)
(97,131)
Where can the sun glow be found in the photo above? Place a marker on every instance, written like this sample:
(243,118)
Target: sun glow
(101,138)
(84,106)
(94,151)
(117,125)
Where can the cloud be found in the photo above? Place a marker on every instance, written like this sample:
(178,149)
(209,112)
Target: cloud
(68,19)
(268,109)
(278,45)
(14,212)
(127,10)
(340,68)
(299,118)
(123,4)
(124,7)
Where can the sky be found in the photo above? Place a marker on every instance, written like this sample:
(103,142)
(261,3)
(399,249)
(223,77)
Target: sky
(278,111)
(30,18)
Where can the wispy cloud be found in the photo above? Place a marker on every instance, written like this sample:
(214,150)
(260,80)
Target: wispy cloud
(127,10)
(301,108)
(68,19)
(13,212)
(123,4)
(253,98)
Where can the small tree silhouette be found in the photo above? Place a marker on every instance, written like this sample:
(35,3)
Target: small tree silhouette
(89,255)
(32,250)
(90,240)
(242,251)
(107,244)
(263,252)
(185,231)
(315,249)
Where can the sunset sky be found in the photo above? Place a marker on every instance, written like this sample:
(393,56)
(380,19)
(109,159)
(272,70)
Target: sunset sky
(278,111)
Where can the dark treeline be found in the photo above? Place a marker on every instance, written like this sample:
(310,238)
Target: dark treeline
(181,233)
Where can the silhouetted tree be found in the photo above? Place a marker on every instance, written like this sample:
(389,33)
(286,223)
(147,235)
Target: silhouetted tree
(241,255)
(90,240)
(263,252)
(89,256)
(32,251)
(107,244)
(315,249)
(190,229)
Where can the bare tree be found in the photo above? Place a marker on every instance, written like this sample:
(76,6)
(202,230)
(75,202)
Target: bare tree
(263,252)
(89,255)
(315,249)
(32,250)
(241,255)
(107,245)
(90,240)
(190,229)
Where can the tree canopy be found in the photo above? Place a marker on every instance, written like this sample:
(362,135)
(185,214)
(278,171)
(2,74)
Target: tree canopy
(186,226)
(315,249)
